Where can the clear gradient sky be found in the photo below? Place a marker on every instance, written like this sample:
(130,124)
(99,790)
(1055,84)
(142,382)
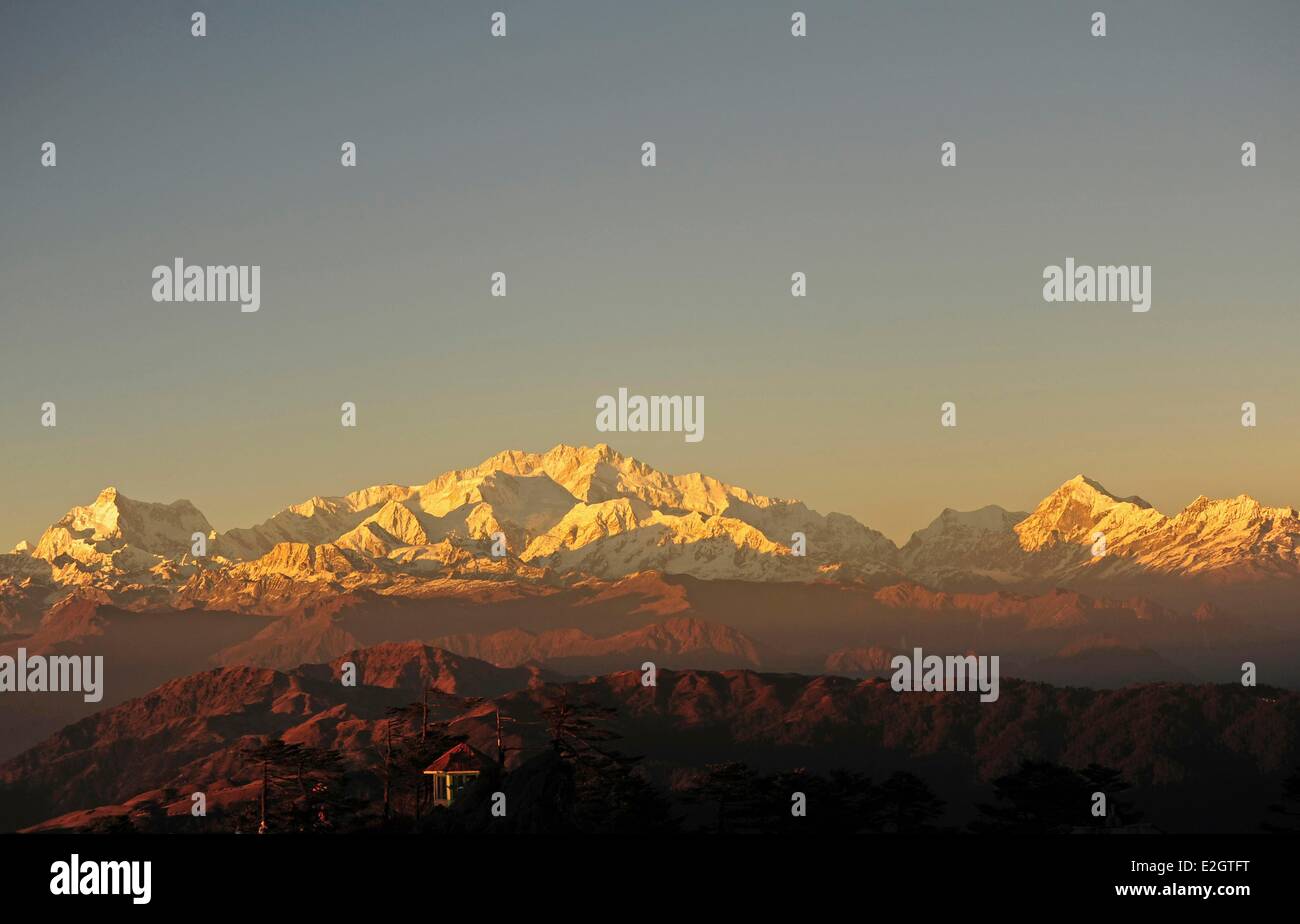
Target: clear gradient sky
(775,154)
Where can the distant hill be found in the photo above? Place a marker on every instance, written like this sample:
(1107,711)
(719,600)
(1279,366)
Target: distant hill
(1217,747)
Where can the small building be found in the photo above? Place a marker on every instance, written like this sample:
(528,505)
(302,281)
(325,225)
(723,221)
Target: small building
(455,771)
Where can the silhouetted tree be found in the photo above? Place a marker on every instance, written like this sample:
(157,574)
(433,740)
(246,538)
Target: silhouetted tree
(1286,811)
(1039,798)
(733,789)
(540,799)
(906,805)
(302,788)
(1111,782)
(270,758)
(609,793)
(411,742)
(577,725)
(611,796)
(843,802)
(1044,798)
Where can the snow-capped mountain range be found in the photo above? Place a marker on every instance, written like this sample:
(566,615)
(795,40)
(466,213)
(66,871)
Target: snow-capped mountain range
(575,513)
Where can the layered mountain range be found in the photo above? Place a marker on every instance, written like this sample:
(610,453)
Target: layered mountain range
(606,562)
(1201,757)
(582,562)
(574,514)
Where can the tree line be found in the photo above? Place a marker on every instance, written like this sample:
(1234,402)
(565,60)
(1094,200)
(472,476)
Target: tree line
(579,782)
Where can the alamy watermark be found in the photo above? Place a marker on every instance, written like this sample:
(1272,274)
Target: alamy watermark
(54,674)
(76,876)
(1071,283)
(924,673)
(194,283)
(654,414)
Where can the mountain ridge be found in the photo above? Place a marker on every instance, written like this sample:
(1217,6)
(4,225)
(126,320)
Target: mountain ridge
(588,511)
(190,733)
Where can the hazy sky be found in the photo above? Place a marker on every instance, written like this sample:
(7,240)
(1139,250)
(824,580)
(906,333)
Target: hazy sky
(522,155)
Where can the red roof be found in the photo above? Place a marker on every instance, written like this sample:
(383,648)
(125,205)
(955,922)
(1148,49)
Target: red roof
(460,759)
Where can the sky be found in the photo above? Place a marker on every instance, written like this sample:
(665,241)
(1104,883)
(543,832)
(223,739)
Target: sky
(523,155)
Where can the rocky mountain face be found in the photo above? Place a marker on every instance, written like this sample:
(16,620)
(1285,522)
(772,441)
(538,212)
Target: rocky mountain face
(570,512)
(675,642)
(575,513)
(972,549)
(195,725)
(1083,536)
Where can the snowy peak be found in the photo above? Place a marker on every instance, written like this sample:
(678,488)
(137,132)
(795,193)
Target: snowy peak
(574,512)
(607,542)
(1238,537)
(1235,539)
(519,505)
(990,519)
(303,561)
(316,520)
(966,548)
(1241,513)
(1085,487)
(584,524)
(113,522)
(599,473)
(399,522)
(1079,509)
(562,508)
